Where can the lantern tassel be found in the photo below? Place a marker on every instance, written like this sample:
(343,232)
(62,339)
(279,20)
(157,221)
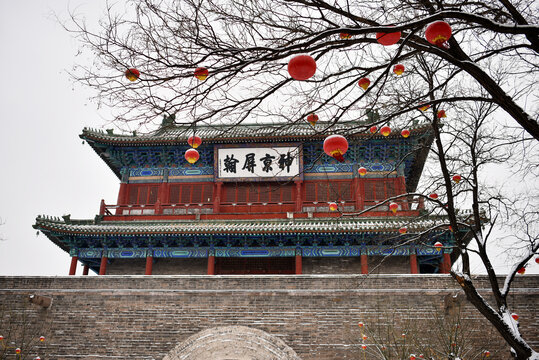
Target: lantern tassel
(339,157)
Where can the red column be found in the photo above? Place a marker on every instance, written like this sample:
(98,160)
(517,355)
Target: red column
(122,197)
(217,197)
(413,264)
(299,264)
(364,264)
(211,265)
(360,195)
(401,182)
(445,266)
(299,197)
(102,207)
(73,267)
(149,265)
(85,270)
(103,266)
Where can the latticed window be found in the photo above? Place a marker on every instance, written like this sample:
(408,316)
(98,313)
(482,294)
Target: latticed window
(191,193)
(325,191)
(379,189)
(256,193)
(143,194)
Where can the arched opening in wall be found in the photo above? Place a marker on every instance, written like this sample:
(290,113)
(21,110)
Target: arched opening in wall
(232,343)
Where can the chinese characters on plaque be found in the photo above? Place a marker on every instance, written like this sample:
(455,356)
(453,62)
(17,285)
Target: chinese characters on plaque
(259,162)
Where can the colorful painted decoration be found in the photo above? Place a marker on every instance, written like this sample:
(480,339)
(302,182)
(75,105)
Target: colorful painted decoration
(362,171)
(333,206)
(441,114)
(438,244)
(457,178)
(387,39)
(336,146)
(132,74)
(364,83)
(521,271)
(42,338)
(385,130)
(345,36)
(405,133)
(403,230)
(194,141)
(393,207)
(450,228)
(17,351)
(486,353)
(373,129)
(312,119)
(192,156)
(515,316)
(201,73)
(438,32)
(363,346)
(360,324)
(398,69)
(301,67)
(433,196)
(423,107)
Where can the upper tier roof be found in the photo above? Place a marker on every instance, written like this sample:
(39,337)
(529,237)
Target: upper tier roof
(219,134)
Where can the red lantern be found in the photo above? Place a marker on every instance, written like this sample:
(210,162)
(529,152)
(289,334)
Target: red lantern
(457,178)
(405,133)
(194,141)
(441,114)
(132,74)
(438,32)
(364,337)
(403,335)
(301,67)
(17,351)
(537,260)
(312,119)
(515,316)
(364,83)
(387,39)
(403,230)
(412,357)
(192,156)
(345,36)
(398,69)
(362,171)
(438,244)
(423,107)
(201,73)
(360,324)
(450,228)
(1,338)
(363,346)
(454,344)
(336,146)
(486,353)
(433,196)
(521,271)
(421,356)
(385,130)
(333,206)
(394,207)
(37,358)
(42,338)
(373,129)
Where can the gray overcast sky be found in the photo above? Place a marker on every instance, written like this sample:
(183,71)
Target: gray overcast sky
(46,168)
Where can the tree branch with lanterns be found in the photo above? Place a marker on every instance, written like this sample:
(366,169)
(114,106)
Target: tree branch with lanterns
(283,62)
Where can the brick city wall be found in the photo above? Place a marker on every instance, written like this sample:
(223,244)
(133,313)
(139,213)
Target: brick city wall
(144,317)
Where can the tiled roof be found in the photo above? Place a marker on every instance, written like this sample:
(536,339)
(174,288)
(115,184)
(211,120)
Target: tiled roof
(240,133)
(280,226)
